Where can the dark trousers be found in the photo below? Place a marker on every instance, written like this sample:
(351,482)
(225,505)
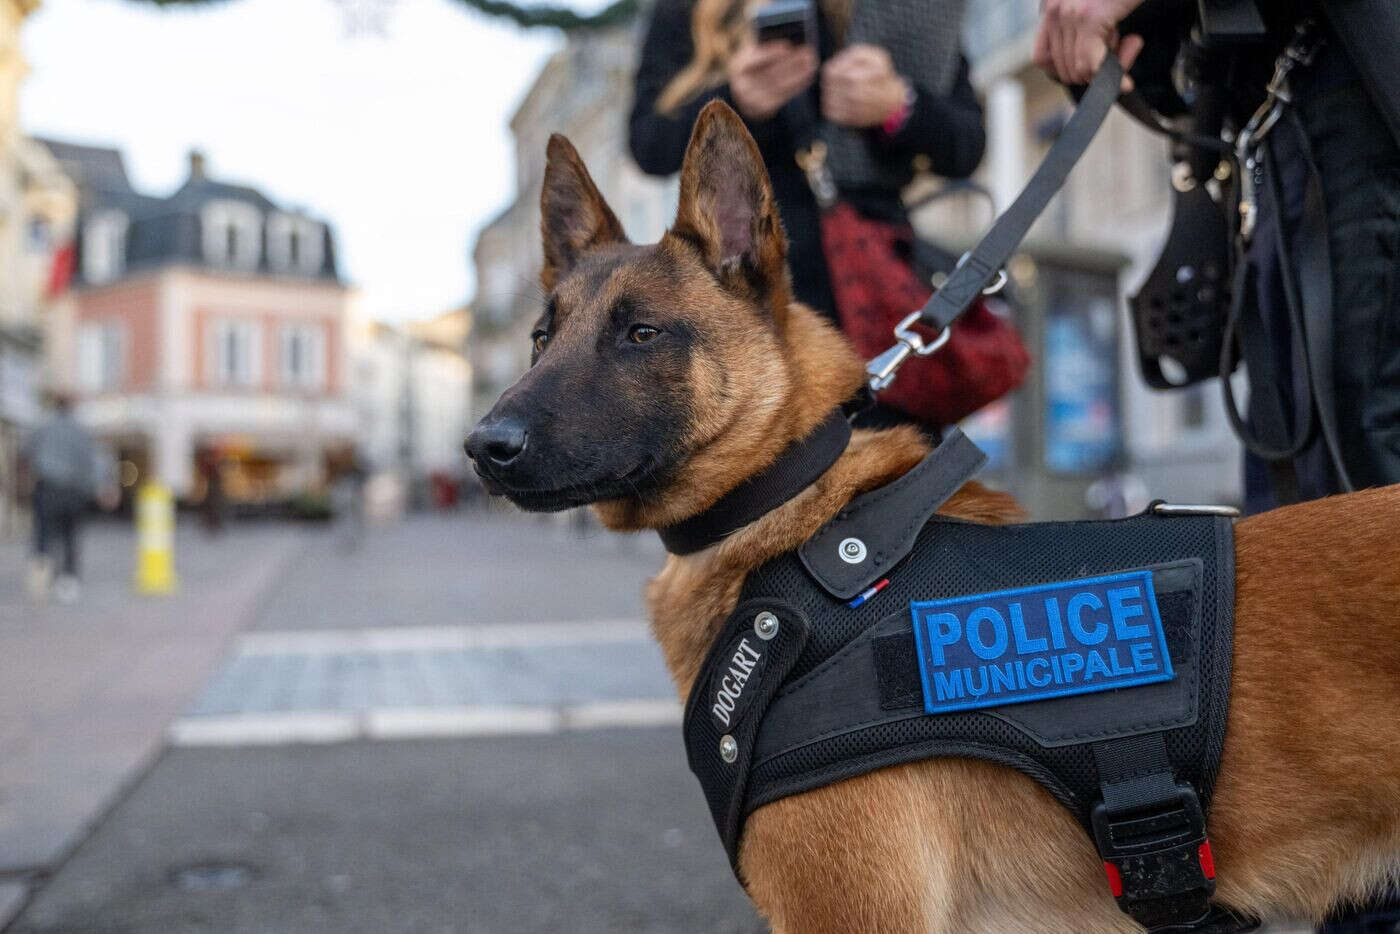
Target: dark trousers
(58,512)
(1358,162)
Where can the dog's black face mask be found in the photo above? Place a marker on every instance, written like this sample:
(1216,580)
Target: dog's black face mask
(644,355)
(601,411)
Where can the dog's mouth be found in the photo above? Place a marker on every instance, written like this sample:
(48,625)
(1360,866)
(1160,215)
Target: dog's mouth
(633,483)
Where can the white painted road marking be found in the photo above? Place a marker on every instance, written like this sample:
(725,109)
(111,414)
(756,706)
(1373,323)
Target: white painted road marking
(333,686)
(312,727)
(441,638)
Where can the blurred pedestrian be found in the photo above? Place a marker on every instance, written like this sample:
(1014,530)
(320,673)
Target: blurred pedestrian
(211,508)
(886,78)
(63,462)
(348,487)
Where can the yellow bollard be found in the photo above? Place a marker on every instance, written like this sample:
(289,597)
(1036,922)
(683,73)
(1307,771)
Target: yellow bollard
(155,540)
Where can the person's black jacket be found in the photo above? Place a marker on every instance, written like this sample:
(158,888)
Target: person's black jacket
(946,129)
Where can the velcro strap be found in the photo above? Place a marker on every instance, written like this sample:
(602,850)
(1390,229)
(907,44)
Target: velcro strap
(877,529)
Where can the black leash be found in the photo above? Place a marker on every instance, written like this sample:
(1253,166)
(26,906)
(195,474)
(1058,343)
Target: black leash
(983,269)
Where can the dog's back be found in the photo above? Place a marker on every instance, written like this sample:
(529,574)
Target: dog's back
(1311,773)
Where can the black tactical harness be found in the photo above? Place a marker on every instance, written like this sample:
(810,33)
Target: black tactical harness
(815,678)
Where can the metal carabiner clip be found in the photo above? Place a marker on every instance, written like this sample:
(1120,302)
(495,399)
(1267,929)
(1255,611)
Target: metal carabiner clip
(881,370)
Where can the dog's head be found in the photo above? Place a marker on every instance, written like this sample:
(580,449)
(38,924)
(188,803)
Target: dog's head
(662,375)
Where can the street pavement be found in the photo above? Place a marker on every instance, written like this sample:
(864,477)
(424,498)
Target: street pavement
(89,689)
(459,725)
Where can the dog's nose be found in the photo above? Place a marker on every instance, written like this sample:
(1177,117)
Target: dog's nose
(500,441)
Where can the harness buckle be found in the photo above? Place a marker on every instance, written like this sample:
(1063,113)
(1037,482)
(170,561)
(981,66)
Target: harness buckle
(1158,860)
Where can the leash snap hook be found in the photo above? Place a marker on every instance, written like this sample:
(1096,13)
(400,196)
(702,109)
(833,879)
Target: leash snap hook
(883,368)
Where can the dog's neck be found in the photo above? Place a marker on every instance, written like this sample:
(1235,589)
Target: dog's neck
(693,595)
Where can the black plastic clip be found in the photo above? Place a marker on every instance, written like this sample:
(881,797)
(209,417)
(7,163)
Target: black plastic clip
(1158,860)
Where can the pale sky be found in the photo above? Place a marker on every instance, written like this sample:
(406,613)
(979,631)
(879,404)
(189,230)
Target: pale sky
(399,140)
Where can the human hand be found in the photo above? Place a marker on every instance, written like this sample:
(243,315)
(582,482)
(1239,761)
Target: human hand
(1074,37)
(762,78)
(860,87)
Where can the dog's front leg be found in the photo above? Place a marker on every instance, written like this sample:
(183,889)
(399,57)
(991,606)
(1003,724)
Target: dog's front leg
(945,846)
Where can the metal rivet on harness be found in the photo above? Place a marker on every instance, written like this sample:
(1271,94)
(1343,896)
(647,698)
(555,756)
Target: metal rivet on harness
(766,625)
(851,550)
(728,748)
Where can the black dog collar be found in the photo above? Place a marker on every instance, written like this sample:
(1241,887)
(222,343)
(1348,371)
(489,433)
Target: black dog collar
(795,469)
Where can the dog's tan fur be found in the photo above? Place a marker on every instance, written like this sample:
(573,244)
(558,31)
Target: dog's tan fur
(1307,807)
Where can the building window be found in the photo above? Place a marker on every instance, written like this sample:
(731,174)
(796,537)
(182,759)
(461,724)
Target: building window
(295,244)
(303,356)
(101,355)
(104,246)
(232,234)
(235,352)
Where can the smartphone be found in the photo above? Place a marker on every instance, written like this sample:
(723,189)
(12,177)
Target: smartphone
(786,21)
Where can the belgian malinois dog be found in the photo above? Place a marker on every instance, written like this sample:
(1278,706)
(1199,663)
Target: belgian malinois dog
(664,375)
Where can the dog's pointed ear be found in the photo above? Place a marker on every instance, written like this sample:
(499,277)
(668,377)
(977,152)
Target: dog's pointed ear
(727,209)
(573,215)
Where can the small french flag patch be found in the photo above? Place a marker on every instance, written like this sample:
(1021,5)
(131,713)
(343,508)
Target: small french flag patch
(874,589)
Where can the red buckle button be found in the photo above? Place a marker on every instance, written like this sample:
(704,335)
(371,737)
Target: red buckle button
(1115,879)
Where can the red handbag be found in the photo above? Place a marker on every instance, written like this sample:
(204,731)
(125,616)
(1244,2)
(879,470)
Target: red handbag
(876,286)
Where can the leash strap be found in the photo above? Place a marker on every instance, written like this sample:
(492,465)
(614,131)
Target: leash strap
(982,266)
(796,468)
(982,271)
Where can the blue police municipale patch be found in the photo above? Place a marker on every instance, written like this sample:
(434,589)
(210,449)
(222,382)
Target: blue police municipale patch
(1034,643)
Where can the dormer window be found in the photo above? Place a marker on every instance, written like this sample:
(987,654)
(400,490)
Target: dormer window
(104,246)
(232,234)
(295,244)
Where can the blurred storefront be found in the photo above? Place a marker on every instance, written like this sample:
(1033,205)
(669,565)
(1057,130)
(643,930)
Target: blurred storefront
(1062,431)
(207,324)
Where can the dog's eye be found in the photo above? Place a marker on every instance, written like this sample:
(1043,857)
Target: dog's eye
(538,341)
(641,333)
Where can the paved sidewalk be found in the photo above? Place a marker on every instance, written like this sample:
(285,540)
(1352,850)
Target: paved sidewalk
(88,689)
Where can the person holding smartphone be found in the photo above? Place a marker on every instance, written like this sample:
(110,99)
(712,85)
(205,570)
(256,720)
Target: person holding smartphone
(887,79)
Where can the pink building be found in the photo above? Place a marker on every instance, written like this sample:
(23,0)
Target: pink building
(211,320)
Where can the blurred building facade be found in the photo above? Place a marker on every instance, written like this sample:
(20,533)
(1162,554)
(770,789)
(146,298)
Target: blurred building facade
(38,206)
(412,394)
(1085,435)
(584,91)
(209,323)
